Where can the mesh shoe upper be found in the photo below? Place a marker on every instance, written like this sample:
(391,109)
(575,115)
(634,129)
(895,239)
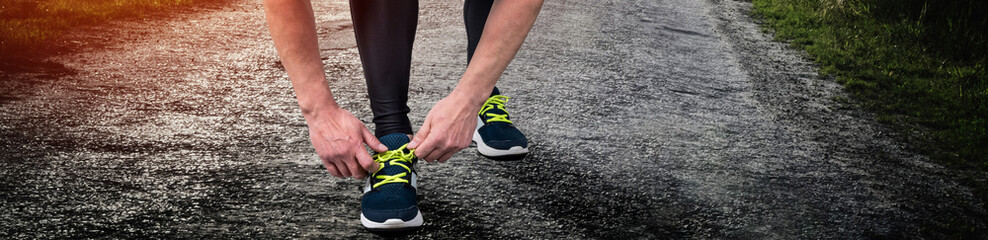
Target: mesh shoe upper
(391,199)
(498,131)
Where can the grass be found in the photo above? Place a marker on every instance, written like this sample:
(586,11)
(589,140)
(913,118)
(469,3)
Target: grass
(919,64)
(29,24)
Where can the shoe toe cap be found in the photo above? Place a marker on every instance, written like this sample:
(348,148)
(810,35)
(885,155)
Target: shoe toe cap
(390,201)
(502,136)
(507,144)
(382,215)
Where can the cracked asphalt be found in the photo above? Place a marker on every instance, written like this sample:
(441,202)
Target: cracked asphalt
(647,119)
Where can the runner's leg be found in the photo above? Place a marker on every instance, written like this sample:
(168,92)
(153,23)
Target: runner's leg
(475,16)
(385,30)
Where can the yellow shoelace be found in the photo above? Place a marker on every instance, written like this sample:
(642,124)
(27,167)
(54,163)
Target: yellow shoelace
(393,157)
(496,101)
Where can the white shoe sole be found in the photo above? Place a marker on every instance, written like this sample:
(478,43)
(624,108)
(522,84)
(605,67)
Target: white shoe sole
(488,151)
(393,224)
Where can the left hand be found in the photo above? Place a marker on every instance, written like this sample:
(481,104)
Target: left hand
(448,128)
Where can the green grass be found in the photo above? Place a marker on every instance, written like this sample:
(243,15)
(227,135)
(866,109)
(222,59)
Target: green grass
(919,64)
(29,24)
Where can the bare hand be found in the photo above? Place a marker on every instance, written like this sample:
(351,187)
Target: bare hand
(339,139)
(447,129)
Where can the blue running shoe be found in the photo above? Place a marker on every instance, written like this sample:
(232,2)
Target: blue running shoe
(496,136)
(390,202)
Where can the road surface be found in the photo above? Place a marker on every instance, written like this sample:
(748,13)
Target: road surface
(647,119)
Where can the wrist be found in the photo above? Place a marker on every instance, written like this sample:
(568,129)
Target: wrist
(317,111)
(315,101)
(472,96)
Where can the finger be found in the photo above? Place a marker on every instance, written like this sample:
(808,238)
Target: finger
(434,155)
(331,168)
(427,148)
(355,169)
(344,172)
(373,143)
(446,157)
(367,162)
(422,135)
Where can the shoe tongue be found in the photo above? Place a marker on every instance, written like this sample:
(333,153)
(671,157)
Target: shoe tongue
(394,140)
(496,92)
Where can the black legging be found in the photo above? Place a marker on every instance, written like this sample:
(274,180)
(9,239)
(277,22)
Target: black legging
(385,31)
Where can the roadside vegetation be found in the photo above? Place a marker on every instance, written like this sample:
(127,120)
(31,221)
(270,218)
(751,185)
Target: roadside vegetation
(920,64)
(26,25)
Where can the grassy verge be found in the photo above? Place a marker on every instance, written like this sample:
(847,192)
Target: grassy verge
(920,64)
(27,24)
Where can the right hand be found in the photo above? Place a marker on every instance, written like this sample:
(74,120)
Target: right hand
(339,139)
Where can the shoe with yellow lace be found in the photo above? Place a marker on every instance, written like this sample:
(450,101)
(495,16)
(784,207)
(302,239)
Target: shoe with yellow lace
(390,202)
(496,136)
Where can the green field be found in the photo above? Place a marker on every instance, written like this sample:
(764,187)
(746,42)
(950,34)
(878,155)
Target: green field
(27,24)
(919,64)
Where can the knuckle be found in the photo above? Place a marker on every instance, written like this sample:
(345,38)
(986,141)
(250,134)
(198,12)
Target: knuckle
(456,145)
(336,155)
(461,145)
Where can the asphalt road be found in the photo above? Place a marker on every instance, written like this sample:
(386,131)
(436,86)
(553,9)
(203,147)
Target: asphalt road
(648,119)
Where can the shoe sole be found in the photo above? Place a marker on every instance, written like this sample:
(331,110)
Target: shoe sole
(513,153)
(392,225)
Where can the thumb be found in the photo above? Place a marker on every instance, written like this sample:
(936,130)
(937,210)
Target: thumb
(422,134)
(372,142)
(367,162)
